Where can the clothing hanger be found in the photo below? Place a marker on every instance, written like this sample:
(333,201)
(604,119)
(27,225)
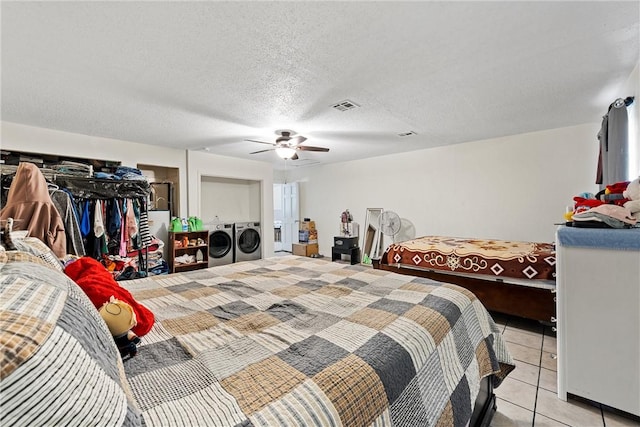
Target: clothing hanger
(622,102)
(618,103)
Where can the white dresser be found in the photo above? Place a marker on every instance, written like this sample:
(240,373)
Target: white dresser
(598,313)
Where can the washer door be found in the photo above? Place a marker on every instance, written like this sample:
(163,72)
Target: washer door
(249,241)
(220,244)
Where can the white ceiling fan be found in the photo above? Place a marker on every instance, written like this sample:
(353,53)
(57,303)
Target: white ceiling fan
(287,145)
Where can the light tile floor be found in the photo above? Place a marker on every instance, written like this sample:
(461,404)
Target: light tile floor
(528,396)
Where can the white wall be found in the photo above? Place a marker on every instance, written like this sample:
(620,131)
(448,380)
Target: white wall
(202,164)
(513,188)
(632,88)
(255,209)
(231,200)
(47,141)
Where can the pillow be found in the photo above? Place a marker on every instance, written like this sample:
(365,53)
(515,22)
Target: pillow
(17,256)
(60,365)
(37,247)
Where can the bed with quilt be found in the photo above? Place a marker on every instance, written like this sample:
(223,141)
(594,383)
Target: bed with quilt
(284,341)
(511,277)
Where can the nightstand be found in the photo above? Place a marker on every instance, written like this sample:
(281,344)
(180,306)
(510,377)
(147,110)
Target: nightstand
(346,246)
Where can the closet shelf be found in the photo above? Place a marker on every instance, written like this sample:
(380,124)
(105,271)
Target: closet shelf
(191,264)
(177,248)
(97,188)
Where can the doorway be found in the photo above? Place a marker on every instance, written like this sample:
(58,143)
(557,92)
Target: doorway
(165,188)
(286,208)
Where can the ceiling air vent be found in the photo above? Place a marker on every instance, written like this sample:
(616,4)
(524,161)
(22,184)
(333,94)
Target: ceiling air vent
(410,133)
(345,105)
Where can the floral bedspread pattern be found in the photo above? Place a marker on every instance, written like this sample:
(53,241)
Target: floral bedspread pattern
(502,258)
(308,342)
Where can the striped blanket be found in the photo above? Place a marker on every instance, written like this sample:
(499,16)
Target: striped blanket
(307,342)
(60,365)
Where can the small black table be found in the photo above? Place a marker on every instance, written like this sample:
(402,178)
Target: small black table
(354,253)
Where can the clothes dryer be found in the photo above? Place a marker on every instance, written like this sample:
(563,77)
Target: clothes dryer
(221,244)
(248,238)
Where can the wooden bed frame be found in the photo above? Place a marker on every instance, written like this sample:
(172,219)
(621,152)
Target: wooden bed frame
(516,300)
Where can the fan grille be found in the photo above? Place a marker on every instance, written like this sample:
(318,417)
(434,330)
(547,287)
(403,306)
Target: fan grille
(390,223)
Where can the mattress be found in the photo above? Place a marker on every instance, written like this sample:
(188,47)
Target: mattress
(301,341)
(486,257)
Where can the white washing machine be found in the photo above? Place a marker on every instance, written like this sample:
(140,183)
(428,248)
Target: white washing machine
(221,244)
(248,240)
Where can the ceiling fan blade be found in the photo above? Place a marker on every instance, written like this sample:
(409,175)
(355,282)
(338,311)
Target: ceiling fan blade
(310,148)
(260,142)
(297,140)
(262,151)
(295,157)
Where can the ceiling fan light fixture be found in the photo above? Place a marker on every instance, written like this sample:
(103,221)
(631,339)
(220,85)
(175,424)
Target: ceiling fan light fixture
(285,152)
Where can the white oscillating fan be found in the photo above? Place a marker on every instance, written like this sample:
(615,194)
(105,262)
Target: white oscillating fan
(389,223)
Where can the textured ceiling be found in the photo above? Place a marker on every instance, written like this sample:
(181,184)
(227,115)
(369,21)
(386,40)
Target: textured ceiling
(211,74)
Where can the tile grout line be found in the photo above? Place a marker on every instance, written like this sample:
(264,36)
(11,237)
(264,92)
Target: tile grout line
(543,333)
(544,329)
(535,403)
(515,379)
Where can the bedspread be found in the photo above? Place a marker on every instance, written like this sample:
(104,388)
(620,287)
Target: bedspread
(302,341)
(498,258)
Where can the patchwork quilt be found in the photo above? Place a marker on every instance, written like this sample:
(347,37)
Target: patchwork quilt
(497,258)
(307,342)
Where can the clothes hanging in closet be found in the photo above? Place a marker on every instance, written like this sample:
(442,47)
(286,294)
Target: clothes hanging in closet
(32,209)
(111,227)
(614,144)
(103,218)
(64,204)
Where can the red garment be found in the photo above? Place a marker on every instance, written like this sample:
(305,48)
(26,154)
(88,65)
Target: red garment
(31,208)
(592,203)
(581,204)
(99,285)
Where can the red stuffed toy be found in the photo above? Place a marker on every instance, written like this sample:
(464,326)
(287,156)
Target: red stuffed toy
(100,286)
